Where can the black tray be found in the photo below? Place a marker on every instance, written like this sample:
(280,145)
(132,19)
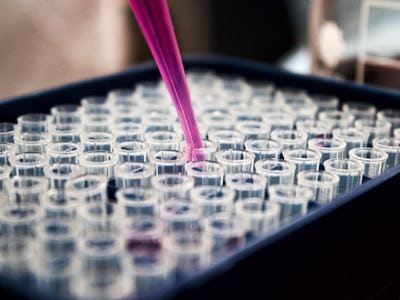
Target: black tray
(348,249)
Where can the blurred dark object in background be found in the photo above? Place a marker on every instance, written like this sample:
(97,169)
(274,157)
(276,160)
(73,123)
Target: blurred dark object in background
(46,43)
(258,29)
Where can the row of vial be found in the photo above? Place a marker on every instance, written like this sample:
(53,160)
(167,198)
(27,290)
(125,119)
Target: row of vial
(103,197)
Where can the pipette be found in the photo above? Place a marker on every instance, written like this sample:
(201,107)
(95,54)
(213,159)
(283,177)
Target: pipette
(155,22)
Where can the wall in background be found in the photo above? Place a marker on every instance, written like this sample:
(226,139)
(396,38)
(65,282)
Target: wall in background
(44,43)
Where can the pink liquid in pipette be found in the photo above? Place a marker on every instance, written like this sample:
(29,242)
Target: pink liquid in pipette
(155,22)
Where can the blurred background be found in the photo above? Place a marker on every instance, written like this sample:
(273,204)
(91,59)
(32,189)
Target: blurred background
(44,43)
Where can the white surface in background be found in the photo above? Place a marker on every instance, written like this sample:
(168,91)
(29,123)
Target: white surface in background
(383,35)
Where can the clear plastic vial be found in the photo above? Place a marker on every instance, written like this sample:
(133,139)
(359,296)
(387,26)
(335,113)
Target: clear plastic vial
(31,142)
(97,141)
(264,148)
(247,185)
(234,161)
(350,173)
(373,159)
(279,119)
(138,201)
(57,205)
(33,123)
(151,272)
(64,152)
(258,216)
(162,140)
(290,138)
(314,128)
(216,120)
(99,162)
(325,102)
(94,102)
(54,275)
(323,184)
(293,200)
(19,221)
(28,164)
(5,173)
(59,174)
(99,218)
(226,232)
(121,97)
(188,251)
(65,132)
(328,147)
(375,128)
(227,139)
(353,137)
(276,171)
(15,255)
(360,110)
(205,172)
(132,151)
(97,122)
(337,118)
(7,131)
(56,238)
(104,270)
(158,121)
(173,186)
(6,149)
(87,188)
(168,161)
(392,147)
(396,132)
(304,159)
(213,199)
(143,235)
(206,152)
(391,115)
(130,174)
(66,114)
(180,215)
(254,129)
(125,131)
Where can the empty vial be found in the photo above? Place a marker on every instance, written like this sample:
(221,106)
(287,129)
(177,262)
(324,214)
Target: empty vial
(227,139)
(131,151)
(130,174)
(168,161)
(392,147)
(373,159)
(138,201)
(64,152)
(276,171)
(173,186)
(323,184)
(293,200)
(247,185)
(264,148)
(234,161)
(7,131)
(350,173)
(290,138)
(205,172)
(258,216)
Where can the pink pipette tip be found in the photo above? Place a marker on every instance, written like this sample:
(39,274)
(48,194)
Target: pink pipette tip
(155,23)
